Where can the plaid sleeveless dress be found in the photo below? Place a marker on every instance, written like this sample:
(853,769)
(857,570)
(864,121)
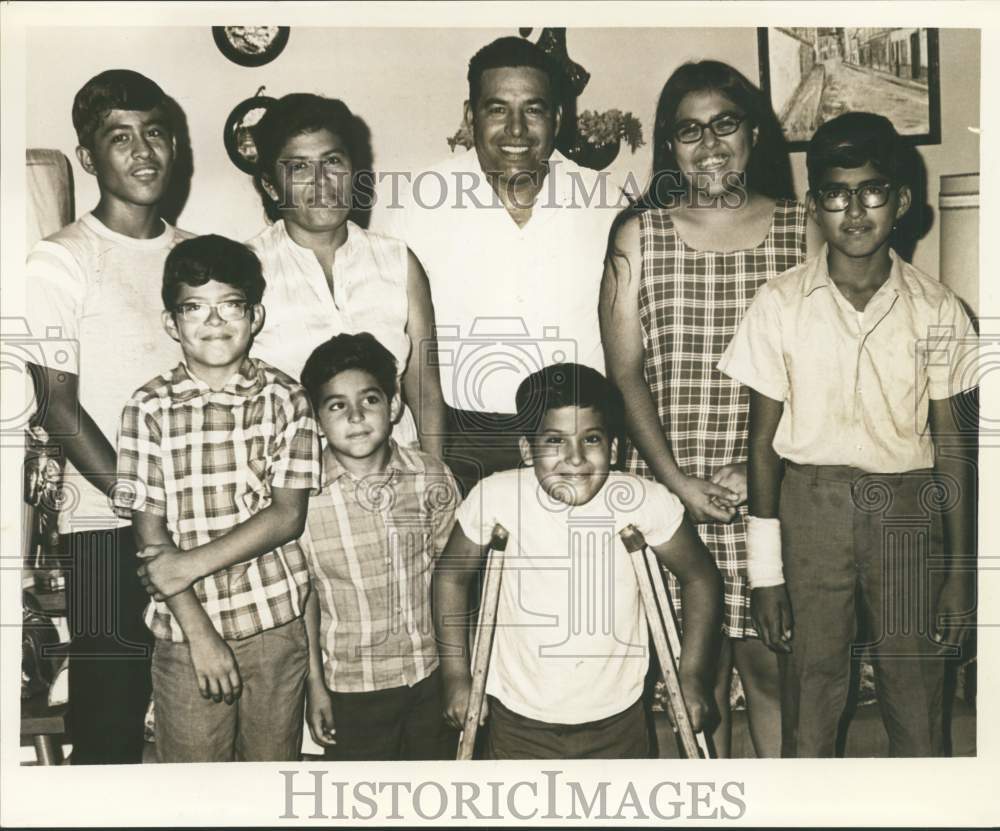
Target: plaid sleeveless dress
(690,303)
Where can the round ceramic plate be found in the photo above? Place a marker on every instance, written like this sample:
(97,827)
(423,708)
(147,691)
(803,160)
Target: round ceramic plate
(250,45)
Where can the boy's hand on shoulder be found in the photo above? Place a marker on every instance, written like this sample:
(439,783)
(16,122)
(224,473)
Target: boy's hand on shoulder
(215,668)
(456,702)
(319,712)
(706,501)
(955,612)
(733,477)
(698,700)
(165,571)
(771,611)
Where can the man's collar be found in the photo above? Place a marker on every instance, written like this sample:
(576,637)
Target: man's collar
(246,382)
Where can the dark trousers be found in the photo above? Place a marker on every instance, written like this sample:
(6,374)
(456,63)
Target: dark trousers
(513,736)
(861,544)
(400,723)
(480,444)
(110,647)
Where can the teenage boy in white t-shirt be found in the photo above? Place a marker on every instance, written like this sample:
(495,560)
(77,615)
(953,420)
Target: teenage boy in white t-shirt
(570,653)
(93,292)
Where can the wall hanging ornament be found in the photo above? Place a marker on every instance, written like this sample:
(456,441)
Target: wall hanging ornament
(251,45)
(238,132)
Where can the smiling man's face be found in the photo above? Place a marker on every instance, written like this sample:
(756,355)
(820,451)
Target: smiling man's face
(132,156)
(514,122)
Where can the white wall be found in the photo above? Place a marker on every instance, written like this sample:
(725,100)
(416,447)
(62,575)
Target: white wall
(408,85)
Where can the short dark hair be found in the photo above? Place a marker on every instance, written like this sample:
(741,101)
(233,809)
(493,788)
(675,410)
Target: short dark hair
(343,352)
(113,89)
(195,261)
(853,140)
(567,385)
(510,52)
(292,115)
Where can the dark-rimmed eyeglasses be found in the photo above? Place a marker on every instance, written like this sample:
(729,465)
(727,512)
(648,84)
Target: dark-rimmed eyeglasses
(870,194)
(227,310)
(724,124)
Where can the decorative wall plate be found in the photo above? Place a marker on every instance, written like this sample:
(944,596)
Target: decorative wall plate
(238,133)
(250,45)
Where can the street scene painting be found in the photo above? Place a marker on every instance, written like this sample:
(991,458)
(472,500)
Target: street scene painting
(814,74)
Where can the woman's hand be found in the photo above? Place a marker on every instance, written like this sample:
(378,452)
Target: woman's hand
(733,477)
(706,501)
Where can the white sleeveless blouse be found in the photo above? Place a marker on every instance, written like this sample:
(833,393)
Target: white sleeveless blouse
(369,295)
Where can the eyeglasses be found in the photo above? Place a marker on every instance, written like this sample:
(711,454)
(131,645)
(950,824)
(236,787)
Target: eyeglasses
(724,124)
(870,194)
(227,310)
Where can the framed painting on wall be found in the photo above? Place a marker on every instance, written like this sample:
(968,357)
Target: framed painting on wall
(814,74)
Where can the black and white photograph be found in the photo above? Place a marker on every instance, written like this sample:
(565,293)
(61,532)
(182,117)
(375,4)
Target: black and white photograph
(515,417)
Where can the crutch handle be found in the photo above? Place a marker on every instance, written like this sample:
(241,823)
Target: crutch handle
(632,538)
(498,538)
(482,646)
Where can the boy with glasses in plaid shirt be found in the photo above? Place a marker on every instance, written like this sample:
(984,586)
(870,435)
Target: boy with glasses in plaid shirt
(861,473)
(373,537)
(216,459)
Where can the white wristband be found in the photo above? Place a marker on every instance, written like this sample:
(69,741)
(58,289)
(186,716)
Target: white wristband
(764,553)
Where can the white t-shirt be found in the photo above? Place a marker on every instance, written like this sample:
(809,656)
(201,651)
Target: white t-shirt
(94,309)
(571,643)
(508,300)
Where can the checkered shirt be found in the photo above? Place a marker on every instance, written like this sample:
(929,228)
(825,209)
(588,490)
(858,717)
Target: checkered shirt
(690,304)
(371,545)
(206,461)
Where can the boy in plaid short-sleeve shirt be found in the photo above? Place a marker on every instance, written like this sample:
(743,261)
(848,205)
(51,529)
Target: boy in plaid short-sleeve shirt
(216,459)
(373,536)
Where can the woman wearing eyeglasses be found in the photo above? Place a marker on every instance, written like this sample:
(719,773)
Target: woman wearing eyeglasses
(683,264)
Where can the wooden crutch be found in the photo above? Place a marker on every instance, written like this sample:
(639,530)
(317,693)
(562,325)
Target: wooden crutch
(482,645)
(659,616)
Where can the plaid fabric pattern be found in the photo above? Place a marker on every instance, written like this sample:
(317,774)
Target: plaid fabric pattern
(691,303)
(371,545)
(206,461)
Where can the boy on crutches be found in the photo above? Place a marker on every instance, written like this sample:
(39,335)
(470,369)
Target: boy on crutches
(570,650)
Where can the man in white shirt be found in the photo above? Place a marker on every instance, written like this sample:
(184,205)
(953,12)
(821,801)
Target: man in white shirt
(94,305)
(512,236)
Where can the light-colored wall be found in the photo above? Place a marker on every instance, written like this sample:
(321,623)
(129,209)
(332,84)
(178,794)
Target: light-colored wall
(408,85)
